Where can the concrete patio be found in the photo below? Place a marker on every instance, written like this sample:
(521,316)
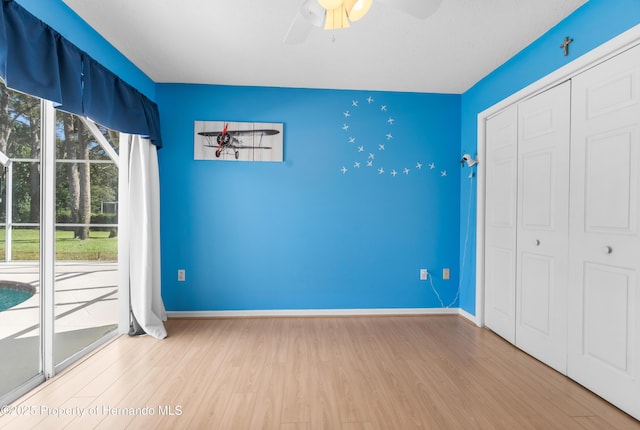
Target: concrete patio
(86,308)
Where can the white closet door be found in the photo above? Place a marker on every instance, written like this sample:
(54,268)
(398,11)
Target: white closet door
(604,293)
(543,230)
(500,216)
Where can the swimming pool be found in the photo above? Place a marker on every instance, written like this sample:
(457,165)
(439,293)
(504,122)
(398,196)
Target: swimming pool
(13,293)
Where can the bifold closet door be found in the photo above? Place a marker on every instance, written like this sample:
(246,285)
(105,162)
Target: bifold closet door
(604,266)
(500,222)
(543,230)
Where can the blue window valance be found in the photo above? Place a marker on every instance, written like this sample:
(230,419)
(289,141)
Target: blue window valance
(37,60)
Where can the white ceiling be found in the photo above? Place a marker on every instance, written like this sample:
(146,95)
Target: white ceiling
(240,42)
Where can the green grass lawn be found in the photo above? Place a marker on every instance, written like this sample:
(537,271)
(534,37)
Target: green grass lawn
(26,246)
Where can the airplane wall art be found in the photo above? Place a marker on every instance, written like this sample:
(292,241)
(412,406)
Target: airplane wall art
(238,141)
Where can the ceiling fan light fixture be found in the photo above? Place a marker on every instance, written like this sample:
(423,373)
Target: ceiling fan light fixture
(335,14)
(336,18)
(356,9)
(330,4)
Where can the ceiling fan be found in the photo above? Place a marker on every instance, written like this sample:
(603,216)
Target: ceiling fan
(334,14)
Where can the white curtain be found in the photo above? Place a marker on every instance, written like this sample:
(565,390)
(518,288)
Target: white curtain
(144,249)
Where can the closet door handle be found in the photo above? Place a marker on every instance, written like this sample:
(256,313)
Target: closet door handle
(607,249)
(537,242)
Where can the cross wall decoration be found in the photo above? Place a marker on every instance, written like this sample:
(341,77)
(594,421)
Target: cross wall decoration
(565,45)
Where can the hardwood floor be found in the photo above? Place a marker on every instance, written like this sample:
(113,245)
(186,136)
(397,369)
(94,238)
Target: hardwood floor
(433,372)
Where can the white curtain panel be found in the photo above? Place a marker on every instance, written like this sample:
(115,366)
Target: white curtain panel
(144,223)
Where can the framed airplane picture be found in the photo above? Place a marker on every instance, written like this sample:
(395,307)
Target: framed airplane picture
(238,141)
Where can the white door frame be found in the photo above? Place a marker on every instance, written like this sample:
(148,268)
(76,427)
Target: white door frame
(597,55)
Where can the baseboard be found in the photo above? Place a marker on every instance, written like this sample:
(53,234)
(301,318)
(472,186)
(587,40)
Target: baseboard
(312,312)
(466,315)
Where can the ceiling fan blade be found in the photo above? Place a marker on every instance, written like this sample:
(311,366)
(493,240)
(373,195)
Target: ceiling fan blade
(298,32)
(419,8)
(311,14)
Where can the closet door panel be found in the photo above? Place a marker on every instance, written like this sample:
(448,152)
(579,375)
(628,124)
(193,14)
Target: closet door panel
(536,286)
(610,183)
(500,216)
(604,292)
(543,212)
(606,314)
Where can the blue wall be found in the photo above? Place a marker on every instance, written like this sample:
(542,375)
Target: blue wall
(61,18)
(593,24)
(301,234)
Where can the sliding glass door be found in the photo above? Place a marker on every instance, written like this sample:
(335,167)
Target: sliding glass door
(20,286)
(58,239)
(86,270)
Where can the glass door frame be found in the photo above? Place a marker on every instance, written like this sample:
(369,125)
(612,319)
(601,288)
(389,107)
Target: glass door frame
(47,236)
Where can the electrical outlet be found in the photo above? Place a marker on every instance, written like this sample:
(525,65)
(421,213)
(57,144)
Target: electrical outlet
(181,275)
(424,273)
(446,274)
